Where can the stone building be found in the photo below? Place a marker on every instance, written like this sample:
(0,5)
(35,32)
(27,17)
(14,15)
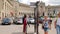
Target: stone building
(52,10)
(41,7)
(14,8)
(21,9)
(46,10)
(5,8)
(11,8)
(26,9)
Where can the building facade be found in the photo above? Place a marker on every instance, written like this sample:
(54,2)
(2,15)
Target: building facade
(5,8)
(41,7)
(52,10)
(14,8)
(21,9)
(26,9)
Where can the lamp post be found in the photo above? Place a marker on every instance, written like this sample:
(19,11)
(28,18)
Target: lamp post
(36,15)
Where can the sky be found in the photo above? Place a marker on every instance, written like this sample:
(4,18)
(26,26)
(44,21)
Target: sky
(47,2)
(25,1)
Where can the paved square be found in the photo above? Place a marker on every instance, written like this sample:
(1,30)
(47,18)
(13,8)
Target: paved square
(18,29)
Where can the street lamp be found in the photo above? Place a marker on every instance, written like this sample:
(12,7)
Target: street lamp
(36,16)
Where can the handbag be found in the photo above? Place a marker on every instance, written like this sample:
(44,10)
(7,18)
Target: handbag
(42,27)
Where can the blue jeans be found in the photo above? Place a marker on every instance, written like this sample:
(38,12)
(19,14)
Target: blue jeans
(58,29)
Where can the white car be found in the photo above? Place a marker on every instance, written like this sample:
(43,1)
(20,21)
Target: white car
(31,20)
(18,21)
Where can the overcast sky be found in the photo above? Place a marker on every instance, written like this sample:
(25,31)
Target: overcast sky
(47,2)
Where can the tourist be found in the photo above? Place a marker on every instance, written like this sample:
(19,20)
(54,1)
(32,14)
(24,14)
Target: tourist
(57,24)
(24,24)
(46,25)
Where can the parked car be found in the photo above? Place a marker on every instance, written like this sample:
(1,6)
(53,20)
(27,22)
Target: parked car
(18,21)
(6,21)
(31,20)
(40,20)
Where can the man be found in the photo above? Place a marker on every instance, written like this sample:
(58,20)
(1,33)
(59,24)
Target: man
(57,24)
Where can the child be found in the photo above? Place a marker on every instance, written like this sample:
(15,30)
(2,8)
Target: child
(46,24)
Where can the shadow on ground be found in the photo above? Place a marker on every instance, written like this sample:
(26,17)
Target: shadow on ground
(21,33)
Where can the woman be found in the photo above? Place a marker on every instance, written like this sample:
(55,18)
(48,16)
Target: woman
(24,24)
(46,25)
(57,24)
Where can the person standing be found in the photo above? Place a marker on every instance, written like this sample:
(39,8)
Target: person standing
(57,24)
(46,25)
(24,24)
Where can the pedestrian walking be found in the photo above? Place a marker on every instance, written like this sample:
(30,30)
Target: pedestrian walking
(57,24)
(46,25)
(24,24)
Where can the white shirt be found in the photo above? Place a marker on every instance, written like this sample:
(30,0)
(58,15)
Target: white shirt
(58,21)
(46,24)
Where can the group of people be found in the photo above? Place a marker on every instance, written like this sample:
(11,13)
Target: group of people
(46,25)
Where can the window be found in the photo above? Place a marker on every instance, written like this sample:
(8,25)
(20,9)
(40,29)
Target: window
(2,14)
(19,13)
(41,6)
(43,13)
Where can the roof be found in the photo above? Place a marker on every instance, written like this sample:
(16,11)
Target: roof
(32,3)
(21,4)
(53,6)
